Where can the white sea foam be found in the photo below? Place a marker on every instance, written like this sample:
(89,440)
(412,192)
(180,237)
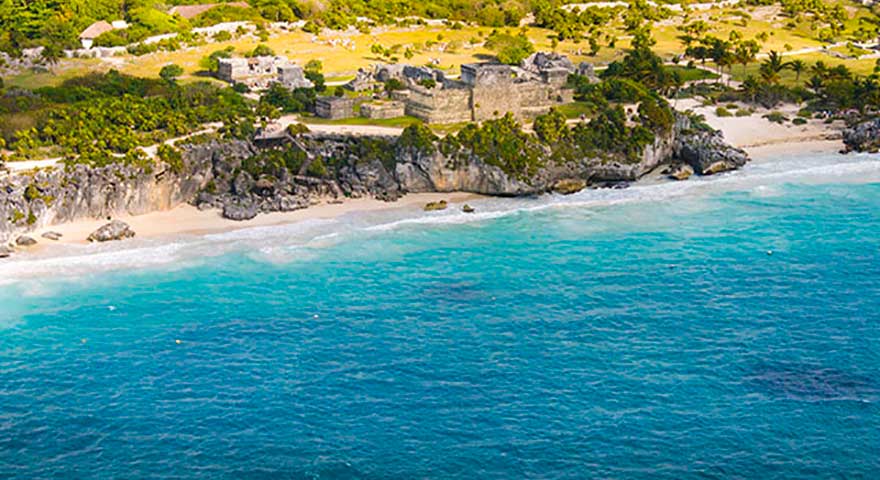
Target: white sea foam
(303,240)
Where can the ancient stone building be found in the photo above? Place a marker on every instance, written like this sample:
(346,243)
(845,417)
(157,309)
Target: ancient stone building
(336,108)
(489,90)
(383,109)
(260,72)
(449,103)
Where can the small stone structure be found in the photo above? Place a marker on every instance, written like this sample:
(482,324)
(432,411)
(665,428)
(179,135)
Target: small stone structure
(260,72)
(383,109)
(336,108)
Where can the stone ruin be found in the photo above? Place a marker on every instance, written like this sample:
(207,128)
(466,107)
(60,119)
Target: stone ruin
(483,91)
(258,73)
(489,90)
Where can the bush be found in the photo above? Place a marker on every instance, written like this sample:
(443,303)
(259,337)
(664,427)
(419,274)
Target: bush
(776,117)
(171,156)
(222,36)
(723,112)
(510,49)
(261,50)
(799,121)
(211,62)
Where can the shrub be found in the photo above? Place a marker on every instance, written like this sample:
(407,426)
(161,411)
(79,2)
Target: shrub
(776,117)
(799,121)
(261,50)
(510,49)
(723,112)
(171,156)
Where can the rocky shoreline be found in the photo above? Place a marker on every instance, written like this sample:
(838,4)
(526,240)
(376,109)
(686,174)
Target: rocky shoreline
(242,179)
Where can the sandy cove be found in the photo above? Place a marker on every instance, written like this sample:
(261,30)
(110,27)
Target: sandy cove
(187,219)
(761,137)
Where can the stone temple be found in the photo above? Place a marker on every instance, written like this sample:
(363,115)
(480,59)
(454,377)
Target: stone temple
(258,73)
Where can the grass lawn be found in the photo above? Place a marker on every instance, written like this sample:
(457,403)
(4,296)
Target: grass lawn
(691,74)
(398,122)
(575,110)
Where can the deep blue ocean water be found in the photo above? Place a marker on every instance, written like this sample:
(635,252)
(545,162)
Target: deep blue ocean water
(723,329)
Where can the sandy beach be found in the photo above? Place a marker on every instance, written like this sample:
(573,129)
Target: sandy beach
(187,219)
(761,137)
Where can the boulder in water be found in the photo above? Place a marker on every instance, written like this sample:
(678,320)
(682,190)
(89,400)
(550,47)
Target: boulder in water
(568,186)
(468,209)
(5,251)
(433,206)
(682,172)
(52,236)
(25,241)
(115,230)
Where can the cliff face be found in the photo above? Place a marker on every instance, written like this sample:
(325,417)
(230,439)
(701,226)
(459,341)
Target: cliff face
(242,180)
(59,195)
(382,168)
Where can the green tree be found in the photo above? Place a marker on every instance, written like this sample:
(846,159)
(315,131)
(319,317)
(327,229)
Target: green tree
(508,48)
(170,72)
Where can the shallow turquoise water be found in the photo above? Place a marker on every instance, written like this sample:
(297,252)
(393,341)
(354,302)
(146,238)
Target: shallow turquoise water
(629,336)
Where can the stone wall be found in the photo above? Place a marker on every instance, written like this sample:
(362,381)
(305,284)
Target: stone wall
(447,105)
(336,108)
(383,109)
(524,100)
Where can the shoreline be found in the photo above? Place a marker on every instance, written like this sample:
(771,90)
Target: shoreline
(771,141)
(186,219)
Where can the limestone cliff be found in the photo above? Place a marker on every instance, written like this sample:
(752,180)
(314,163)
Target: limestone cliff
(241,180)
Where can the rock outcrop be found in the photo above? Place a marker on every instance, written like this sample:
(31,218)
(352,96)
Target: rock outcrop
(863,137)
(705,150)
(62,194)
(115,230)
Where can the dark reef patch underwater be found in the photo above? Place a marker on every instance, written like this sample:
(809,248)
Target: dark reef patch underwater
(642,333)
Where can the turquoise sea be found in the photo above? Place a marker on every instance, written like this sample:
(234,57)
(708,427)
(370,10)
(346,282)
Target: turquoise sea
(716,328)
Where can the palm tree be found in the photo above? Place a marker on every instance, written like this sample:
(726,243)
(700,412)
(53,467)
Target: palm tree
(746,52)
(771,67)
(798,67)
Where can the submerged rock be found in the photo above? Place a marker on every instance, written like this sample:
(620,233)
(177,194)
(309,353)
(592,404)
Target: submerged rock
(863,137)
(52,236)
(567,186)
(25,241)
(115,230)
(433,206)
